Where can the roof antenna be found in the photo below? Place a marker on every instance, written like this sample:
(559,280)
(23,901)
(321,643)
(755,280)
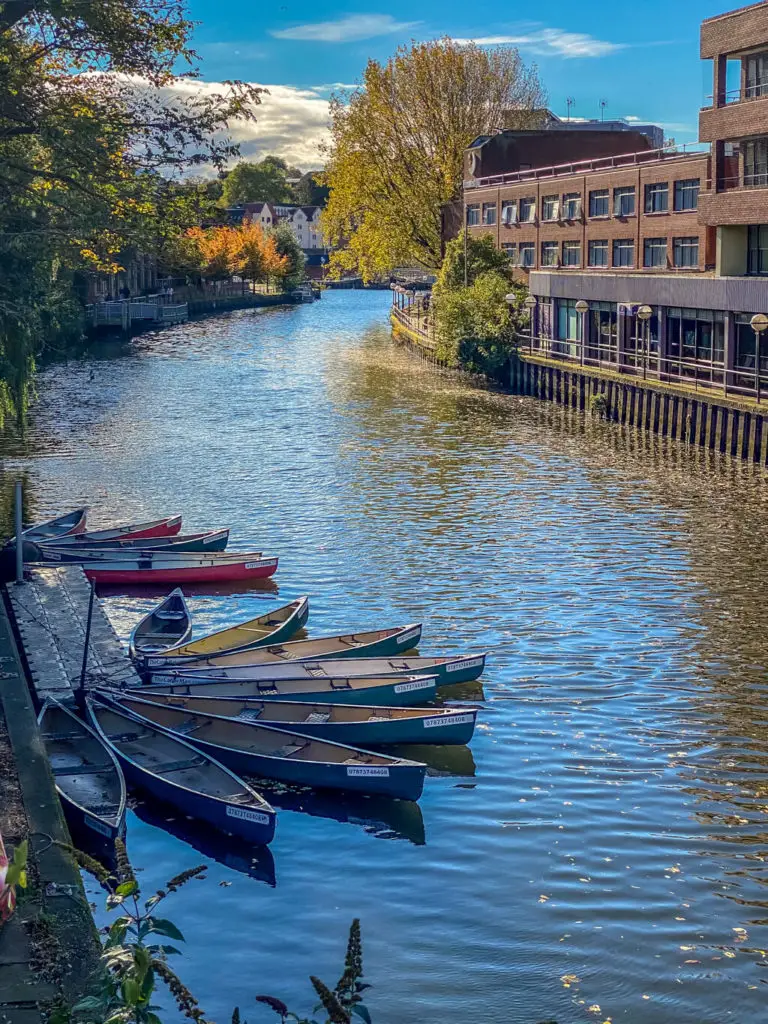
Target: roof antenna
(570,101)
(603,105)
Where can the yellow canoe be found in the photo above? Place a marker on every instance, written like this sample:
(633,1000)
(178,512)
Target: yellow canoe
(272,627)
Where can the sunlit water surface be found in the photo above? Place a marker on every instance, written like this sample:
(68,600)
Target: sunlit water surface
(600,852)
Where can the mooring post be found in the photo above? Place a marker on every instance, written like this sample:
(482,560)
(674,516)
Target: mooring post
(19,538)
(80,695)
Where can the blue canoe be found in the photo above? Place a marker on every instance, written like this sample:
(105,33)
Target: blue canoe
(294,757)
(447,671)
(174,771)
(88,778)
(396,691)
(357,724)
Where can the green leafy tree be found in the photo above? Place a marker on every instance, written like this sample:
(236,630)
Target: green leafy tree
(312,190)
(481,257)
(262,182)
(288,246)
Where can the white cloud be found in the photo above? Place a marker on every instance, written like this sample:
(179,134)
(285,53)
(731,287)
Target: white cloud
(552,42)
(346,30)
(290,122)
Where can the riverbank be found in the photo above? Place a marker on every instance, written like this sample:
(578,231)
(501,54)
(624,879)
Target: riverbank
(49,948)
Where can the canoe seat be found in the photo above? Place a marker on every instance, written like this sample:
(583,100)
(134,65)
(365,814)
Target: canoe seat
(288,750)
(126,737)
(178,766)
(104,810)
(63,736)
(189,726)
(340,684)
(81,769)
(266,687)
(170,615)
(317,718)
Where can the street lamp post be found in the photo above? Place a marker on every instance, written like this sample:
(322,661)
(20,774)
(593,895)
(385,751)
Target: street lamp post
(582,308)
(530,305)
(759,323)
(644,314)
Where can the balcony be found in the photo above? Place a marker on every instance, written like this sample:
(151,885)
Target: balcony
(740,204)
(738,115)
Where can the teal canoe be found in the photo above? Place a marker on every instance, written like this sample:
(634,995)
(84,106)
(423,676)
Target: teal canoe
(393,691)
(447,670)
(251,748)
(361,725)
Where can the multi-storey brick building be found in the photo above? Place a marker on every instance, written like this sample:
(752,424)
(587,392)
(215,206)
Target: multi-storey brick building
(613,226)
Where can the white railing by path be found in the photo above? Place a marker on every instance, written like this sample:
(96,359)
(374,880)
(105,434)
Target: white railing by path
(147,309)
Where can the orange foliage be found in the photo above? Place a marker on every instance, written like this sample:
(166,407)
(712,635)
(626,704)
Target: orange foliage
(243,250)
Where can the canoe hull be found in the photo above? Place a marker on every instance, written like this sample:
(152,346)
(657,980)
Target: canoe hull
(165,528)
(403,694)
(446,730)
(405,782)
(222,573)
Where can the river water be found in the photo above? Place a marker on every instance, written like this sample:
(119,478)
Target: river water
(600,851)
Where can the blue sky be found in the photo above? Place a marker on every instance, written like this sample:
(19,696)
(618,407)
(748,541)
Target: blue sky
(642,59)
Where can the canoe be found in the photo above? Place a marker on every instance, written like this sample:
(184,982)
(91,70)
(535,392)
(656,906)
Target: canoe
(111,551)
(255,749)
(71,523)
(209,540)
(361,725)
(167,527)
(270,628)
(155,567)
(393,691)
(88,778)
(377,643)
(448,670)
(173,770)
(168,624)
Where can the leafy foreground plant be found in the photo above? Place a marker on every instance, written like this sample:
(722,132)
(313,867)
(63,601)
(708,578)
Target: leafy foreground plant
(343,1002)
(13,873)
(133,961)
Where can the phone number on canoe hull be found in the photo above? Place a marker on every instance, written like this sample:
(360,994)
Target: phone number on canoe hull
(417,684)
(381,772)
(246,815)
(435,723)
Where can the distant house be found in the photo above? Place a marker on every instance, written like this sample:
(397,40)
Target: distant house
(304,221)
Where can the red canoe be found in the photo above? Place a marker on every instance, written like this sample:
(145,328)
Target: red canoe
(152,567)
(169,526)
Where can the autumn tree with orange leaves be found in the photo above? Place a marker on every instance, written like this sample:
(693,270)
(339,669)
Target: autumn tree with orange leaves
(218,253)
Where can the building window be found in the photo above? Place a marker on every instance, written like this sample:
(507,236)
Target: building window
(598,253)
(571,206)
(655,252)
(549,254)
(602,332)
(695,336)
(550,207)
(657,197)
(685,251)
(624,201)
(687,194)
(509,211)
(757,249)
(571,254)
(527,211)
(623,252)
(489,213)
(599,203)
(756,75)
(473,215)
(756,162)
(526,254)
(568,320)
(510,251)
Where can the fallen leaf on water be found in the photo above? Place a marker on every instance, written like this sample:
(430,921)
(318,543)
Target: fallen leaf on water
(594,1008)
(687,949)
(691,961)
(543,899)
(570,979)
(646,997)
(729,954)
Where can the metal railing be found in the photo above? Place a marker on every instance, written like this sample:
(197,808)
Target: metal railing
(640,357)
(417,320)
(605,163)
(754,91)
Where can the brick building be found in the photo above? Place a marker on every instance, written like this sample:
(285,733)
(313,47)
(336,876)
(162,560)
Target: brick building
(602,220)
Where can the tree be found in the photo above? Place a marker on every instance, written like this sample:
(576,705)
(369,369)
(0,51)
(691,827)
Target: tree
(262,182)
(398,142)
(287,247)
(311,190)
(482,256)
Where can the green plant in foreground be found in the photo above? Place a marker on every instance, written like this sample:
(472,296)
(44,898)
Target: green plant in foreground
(341,1003)
(133,961)
(13,872)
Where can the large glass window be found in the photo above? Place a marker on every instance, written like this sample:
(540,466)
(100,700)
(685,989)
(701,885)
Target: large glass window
(598,252)
(757,249)
(756,75)
(624,201)
(527,211)
(509,211)
(568,320)
(526,254)
(510,251)
(473,214)
(550,207)
(695,343)
(571,254)
(599,203)
(755,162)
(655,252)
(549,254)
(685,251)
(623,252)
(489,213)
(657,197)
(602,332)
(571,206)
(687,194)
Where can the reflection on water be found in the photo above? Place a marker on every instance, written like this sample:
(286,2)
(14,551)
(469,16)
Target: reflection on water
(609,822)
